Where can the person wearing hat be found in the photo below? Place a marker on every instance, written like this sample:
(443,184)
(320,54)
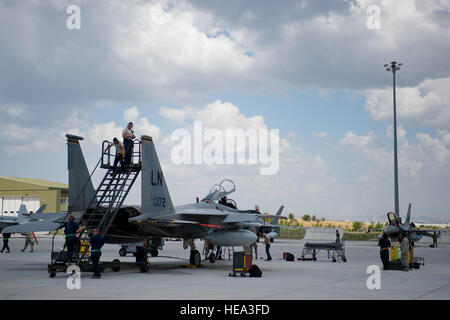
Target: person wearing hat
(384,245)
(128,136)
(71,240)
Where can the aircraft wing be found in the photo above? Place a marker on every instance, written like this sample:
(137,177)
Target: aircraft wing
(45,216)
(425,232)
(241,217)
(165,222)
(38,226)
(265,216)
(281,227)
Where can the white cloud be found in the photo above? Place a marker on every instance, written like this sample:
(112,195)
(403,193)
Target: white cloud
(162,51)
(131,114)
(173,114)
(414,158)
(298,168)
(321,134)
(293,135)
(425,105)
(434,146)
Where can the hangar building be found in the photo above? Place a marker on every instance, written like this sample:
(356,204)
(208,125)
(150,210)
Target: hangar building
(33,193)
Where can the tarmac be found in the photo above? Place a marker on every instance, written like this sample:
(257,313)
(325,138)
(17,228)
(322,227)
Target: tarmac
(24,276)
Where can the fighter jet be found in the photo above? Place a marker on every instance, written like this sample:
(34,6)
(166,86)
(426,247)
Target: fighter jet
(23,217)
(397,227)
(272,229)
(214,218)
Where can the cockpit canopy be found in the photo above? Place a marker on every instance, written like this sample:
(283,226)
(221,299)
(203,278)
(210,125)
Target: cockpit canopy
(220,190)
(393,219)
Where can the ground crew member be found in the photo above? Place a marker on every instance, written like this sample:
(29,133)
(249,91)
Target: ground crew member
(6,237)
(435,239)
(28,241)
(267,243)
(404,248)
(71,240)
(384,244)
(338,238)
(128,136)
(96,244)
(120,153)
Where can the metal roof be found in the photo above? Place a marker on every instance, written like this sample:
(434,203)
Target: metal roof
(39,182)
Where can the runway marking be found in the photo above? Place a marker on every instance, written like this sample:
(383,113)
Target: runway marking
(433,291)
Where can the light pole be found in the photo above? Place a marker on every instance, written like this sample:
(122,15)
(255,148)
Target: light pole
(394,67)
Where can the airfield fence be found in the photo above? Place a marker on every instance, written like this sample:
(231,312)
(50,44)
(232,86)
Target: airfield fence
(299,234)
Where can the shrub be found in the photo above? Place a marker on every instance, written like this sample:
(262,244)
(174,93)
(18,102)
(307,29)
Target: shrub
(357,225)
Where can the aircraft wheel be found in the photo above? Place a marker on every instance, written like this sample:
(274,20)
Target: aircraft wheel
(195,258)
(344,259)
(116,265)
(123,252)
(334,260)
(52,274)
(154,252)
(212,258)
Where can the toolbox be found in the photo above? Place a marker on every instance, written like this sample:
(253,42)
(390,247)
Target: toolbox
(242,263)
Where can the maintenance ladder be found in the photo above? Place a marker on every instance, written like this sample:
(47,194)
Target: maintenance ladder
(108,198)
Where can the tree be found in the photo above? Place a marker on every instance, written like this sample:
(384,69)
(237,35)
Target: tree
(313,218)
(306,217)
(357,225)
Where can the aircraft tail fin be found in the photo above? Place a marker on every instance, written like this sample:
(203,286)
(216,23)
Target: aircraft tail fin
(276,220)
(22,212)
(408,217)
(156,201)
(42,208)
(81,190)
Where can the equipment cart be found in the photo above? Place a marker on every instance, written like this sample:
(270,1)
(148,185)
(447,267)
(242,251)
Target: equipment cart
(335,251)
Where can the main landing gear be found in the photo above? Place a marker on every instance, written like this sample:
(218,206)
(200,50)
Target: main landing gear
(195,258)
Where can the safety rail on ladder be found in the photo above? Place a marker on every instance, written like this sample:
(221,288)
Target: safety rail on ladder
(109,196)
(69,212)
(111,192)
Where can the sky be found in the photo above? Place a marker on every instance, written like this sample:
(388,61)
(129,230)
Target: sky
(311,69)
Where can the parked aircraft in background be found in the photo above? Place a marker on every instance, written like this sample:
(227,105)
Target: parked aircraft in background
(397,227)
(24,217)
(272,228)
